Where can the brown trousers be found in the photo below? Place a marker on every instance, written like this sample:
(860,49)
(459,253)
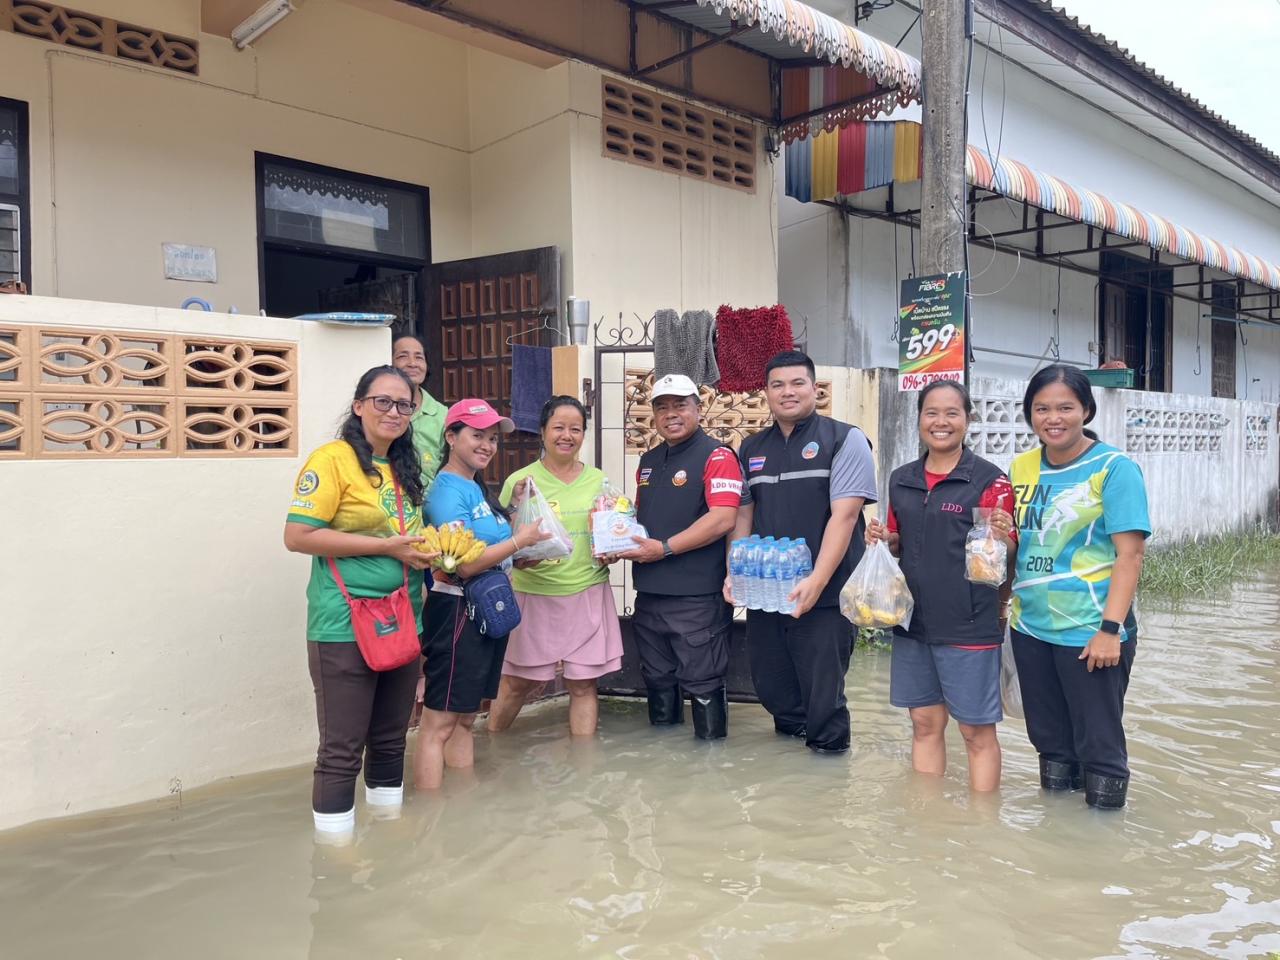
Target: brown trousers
(363,716)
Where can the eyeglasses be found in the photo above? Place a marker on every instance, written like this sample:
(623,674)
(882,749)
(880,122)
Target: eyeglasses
(383,404)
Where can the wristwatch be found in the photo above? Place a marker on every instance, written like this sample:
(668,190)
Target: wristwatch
(1110,626)
(667,552)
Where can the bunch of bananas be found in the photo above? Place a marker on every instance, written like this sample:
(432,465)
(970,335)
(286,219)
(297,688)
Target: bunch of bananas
(456,545)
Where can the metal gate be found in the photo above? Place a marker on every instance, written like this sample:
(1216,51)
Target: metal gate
(622,431)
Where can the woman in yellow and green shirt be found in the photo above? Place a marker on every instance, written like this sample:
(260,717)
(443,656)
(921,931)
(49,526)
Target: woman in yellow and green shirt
(568,617)
(347,504)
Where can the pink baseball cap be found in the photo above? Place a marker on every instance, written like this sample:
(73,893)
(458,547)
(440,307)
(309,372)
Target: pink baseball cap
(477,414)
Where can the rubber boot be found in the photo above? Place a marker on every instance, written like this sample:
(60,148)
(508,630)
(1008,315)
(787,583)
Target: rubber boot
(710,715)
(1105,793)
(1056,775)
(666,707)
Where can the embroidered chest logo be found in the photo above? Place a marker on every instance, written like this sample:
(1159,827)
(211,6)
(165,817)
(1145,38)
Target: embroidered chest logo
(756,464)
(810,450)
(951,508)
(680,479)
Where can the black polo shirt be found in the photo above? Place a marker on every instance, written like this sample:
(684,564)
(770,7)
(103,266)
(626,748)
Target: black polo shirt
(671,494)
(792,481)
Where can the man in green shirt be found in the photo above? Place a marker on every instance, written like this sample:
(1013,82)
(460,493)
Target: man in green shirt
(409,354)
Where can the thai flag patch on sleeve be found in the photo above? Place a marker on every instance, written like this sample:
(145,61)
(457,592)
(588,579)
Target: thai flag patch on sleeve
(755,463)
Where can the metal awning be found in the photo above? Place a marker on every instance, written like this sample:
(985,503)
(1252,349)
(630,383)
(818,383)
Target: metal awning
(863,156)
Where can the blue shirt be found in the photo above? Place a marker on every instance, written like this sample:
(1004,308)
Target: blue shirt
(453,498)
(1066,516)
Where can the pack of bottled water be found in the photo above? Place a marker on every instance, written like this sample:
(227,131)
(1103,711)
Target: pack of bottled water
(764,571)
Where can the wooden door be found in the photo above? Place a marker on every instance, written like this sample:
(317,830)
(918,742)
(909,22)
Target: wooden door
(476,310)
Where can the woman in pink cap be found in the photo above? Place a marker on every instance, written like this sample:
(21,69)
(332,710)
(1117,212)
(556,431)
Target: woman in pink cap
(463,667)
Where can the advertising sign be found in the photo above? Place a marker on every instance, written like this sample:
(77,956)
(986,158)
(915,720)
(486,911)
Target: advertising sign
(931,322)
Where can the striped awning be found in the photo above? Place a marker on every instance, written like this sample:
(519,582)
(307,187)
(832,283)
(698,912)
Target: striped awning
(825,98)
(826,38)
(849,160)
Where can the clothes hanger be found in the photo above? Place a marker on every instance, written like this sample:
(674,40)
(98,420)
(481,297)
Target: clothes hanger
(545,325)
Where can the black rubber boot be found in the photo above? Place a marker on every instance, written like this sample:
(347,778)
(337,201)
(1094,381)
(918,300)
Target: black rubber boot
(1105,793)
(785,731)
(666,707)
(710,715)
(1056,775)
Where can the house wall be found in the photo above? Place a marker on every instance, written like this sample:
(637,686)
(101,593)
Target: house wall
(154,625)
(1014,113)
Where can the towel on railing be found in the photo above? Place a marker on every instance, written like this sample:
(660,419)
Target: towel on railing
(685,345)
(530,385)
(745,340)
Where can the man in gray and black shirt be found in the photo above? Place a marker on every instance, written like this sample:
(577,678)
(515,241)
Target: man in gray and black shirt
(807,476)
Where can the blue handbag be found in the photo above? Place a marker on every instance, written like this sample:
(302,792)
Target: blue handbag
(491,603)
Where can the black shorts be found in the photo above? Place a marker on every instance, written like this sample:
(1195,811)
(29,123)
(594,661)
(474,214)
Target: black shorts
(462,667)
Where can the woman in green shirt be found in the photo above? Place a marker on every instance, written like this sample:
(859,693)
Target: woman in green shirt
(568,617)
(426,426)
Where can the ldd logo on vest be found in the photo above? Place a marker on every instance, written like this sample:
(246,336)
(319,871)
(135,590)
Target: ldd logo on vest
(680,479)
(810,450)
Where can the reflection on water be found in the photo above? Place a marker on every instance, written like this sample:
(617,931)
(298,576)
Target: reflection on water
(647,844)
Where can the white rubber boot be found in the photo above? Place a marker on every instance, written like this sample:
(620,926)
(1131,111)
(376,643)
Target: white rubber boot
(335,828)
(384,803)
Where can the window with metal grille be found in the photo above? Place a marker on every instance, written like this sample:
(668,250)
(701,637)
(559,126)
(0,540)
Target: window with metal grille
(1223,340)
(643,127)
(15,236)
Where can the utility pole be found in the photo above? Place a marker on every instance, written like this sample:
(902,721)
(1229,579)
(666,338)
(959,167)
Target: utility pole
(943,221)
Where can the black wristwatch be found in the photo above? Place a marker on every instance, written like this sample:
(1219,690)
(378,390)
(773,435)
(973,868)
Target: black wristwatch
(1111,627)
(667,552)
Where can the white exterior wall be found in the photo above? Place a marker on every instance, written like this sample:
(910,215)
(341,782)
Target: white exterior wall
(154,627)
(1030,120)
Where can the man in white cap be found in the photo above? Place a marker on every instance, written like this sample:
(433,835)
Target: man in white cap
(688,489)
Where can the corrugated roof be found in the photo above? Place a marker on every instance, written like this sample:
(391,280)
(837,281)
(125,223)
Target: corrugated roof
(1093,37)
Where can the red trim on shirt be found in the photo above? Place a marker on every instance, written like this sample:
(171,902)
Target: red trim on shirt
(722,479)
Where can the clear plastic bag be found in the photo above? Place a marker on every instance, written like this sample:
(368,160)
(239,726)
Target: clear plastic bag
(535,509)
(876,594)
(1010,690)
(986,558)
(613,522)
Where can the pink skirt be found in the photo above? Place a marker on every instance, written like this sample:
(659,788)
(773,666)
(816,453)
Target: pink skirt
(581,631)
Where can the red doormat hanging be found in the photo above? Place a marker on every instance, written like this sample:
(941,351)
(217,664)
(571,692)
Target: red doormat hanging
(745,340)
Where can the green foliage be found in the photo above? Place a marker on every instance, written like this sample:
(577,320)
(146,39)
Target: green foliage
(874,640)
(1200,566)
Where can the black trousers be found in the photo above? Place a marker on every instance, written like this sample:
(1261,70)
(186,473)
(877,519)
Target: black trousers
(1074,716)
(798,668)
(363,716)
(682,641)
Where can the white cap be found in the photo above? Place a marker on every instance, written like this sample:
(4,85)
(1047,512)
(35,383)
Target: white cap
(674,385)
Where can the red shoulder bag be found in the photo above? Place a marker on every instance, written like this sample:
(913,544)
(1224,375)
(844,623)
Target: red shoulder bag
(385,628)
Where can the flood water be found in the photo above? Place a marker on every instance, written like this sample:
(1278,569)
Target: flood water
(648,844)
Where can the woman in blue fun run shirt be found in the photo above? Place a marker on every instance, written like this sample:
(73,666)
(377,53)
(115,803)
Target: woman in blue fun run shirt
(1082,525)
(463,666)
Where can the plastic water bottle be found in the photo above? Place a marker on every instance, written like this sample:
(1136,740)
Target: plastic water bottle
(803,559)
(769,576)
(752,574)
(738,570)
(786,575)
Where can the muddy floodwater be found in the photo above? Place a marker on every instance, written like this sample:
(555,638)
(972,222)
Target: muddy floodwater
(646,844)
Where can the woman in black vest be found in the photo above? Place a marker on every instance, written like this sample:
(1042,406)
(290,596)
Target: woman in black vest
(948,663)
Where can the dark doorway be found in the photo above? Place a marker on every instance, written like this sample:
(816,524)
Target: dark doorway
(1137,318)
